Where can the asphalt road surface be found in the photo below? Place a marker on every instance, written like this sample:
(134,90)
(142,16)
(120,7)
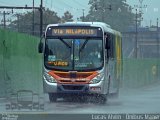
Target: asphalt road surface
(141,100)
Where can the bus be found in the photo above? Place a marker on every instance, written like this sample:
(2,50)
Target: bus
(81,59)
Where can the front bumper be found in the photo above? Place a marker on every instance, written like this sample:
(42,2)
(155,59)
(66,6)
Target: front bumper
(98,88)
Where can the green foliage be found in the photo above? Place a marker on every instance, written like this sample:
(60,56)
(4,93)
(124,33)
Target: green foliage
(24,22)
(119,17)
(20,63)
(67,17)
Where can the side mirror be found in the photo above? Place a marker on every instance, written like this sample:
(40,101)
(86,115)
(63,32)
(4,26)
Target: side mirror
(40,47)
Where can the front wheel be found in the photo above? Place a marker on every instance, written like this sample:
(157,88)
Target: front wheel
(101,99)
(52,97)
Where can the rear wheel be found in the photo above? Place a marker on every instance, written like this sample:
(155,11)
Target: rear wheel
(52,97)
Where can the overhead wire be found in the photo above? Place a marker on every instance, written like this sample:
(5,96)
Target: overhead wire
(67,5)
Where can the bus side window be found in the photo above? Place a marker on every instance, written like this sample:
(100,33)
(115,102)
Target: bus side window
(109,45)
(112,41)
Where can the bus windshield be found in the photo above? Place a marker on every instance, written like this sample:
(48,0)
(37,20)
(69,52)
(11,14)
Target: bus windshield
(73,54)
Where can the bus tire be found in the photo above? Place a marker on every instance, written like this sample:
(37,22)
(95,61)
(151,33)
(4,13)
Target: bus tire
(52,97)
(101,99)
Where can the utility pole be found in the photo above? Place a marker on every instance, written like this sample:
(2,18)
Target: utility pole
(33,20)
(26,7)
(136,36)
(4,18)
(18,22)
(140,8)
(157,37)
(158,52)
(41,18)
(83,14)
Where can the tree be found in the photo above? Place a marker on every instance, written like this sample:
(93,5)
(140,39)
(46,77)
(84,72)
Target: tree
(119,17)
(67,17)
(24,21)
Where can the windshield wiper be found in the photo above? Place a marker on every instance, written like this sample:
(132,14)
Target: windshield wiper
(65,43)
(84,44)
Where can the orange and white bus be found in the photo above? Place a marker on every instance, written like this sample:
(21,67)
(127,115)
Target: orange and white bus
(82,59)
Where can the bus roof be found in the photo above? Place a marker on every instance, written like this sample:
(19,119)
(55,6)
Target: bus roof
(104,26)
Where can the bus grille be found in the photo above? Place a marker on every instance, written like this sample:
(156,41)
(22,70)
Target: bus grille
(73,77)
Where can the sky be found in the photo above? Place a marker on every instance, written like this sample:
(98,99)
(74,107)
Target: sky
(151,12)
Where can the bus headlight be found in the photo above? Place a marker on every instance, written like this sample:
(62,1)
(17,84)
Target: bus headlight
(97,79)
(49,78)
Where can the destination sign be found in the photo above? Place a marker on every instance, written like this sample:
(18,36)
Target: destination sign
(75,31)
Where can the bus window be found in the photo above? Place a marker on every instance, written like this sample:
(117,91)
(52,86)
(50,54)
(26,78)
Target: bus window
(109,45)
(112,40)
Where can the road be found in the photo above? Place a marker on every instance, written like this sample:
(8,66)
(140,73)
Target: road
(141,100)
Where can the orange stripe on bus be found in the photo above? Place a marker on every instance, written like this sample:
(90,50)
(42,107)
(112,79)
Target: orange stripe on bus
(82,77)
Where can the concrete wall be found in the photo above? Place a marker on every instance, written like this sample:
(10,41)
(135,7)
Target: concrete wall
(140,72)
(20,63)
